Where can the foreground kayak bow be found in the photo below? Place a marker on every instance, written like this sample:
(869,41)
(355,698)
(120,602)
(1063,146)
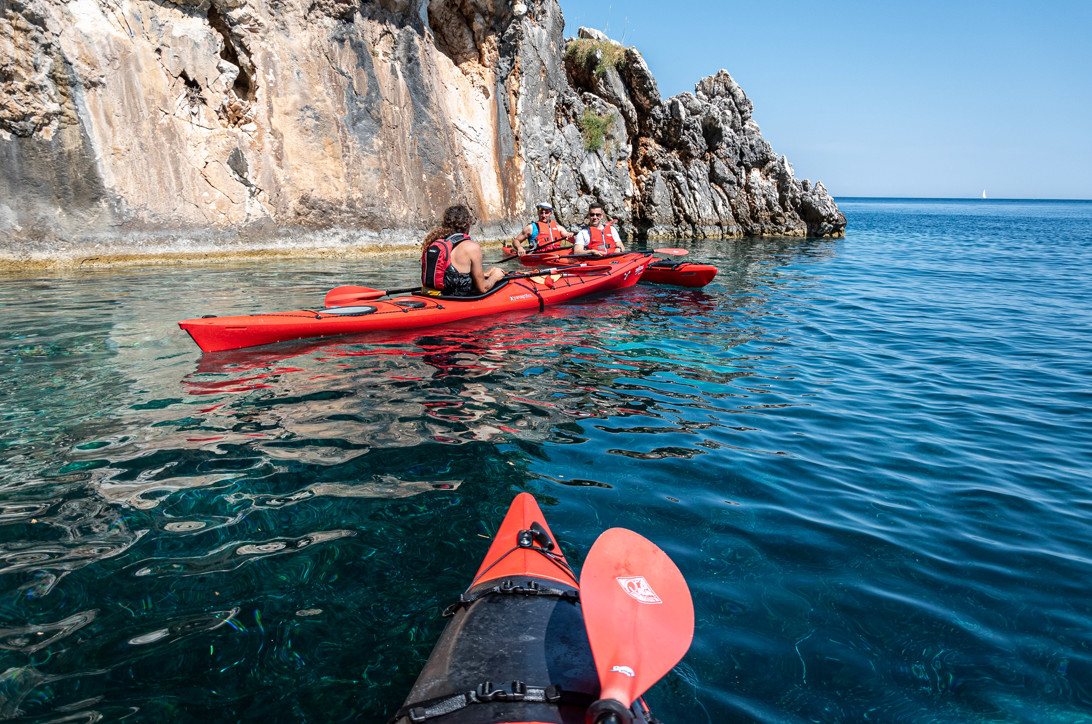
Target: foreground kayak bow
(530,643)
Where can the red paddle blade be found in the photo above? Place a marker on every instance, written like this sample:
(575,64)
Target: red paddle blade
(672,252)
(347,295)
(638,612)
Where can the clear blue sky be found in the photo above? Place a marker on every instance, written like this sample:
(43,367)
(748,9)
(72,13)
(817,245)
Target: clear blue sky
(887,98)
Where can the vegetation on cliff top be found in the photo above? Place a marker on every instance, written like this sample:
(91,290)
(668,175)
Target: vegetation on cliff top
(606,54)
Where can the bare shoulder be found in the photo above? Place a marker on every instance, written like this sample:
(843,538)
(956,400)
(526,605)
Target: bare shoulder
(467,248)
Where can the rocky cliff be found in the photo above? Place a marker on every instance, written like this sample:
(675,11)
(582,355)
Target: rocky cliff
(175,126)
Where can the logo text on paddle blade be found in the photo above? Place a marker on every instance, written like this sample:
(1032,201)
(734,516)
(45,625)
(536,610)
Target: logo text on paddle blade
(625,670)
(637,588)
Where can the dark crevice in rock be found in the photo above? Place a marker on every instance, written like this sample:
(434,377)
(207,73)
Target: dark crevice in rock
(712,132)
(245,86)
(194,96)
(237,162)
(452,25)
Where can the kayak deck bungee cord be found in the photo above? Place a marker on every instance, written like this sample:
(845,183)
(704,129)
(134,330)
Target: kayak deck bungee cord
(366,312)
(531,643)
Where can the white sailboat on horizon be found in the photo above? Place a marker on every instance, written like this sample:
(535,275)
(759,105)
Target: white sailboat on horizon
(983,193)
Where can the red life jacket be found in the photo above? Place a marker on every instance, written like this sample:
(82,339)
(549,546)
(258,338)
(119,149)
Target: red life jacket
(437,258)
(602,239)
(545,237)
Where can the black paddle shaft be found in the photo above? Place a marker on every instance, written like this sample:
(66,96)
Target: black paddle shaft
(609,711)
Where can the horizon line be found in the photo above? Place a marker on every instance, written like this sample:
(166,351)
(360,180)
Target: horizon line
(959,198)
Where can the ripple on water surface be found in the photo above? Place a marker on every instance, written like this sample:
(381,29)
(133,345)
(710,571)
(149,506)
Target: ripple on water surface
(869,457)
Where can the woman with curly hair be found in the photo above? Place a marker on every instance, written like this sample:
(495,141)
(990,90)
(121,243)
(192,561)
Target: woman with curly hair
(452,262)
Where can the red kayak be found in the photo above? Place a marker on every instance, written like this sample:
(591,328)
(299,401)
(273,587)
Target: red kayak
(679,273)
(346,312)
(530,643)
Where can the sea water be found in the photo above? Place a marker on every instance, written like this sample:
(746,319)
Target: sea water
(870,458)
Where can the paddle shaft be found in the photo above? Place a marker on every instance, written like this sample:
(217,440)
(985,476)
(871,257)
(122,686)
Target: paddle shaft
(407,290)
(671,252)
(517,256)
(548,272)
(354,295)
(608,711)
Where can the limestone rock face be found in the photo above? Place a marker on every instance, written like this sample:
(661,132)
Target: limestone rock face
(127,119)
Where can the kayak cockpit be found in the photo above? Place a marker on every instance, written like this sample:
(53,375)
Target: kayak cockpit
(435,294)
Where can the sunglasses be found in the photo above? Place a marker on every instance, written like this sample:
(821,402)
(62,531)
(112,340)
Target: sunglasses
(595,216)
(545,211)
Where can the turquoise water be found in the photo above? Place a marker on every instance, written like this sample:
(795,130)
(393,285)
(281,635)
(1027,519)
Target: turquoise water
(870,457)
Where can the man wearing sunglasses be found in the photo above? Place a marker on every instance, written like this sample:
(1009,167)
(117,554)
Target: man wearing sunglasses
(598,236)
(543,235)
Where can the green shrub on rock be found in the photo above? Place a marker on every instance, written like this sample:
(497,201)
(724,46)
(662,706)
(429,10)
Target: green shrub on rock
(605,54)
(594,127)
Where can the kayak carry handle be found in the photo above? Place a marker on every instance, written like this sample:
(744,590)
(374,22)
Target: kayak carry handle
(541,536)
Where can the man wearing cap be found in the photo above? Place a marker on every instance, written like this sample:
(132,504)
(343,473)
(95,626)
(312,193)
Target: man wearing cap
(598,237)
(543,235)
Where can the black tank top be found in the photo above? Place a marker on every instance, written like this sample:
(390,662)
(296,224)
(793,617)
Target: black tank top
(457,284)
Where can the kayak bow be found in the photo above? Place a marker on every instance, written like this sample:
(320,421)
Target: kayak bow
(519,646)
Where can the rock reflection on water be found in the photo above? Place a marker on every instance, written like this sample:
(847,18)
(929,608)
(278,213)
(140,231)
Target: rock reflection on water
(189,626)
(32,638)
(234,555)
(222,529)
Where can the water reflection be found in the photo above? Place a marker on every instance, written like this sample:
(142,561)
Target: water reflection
(236,529)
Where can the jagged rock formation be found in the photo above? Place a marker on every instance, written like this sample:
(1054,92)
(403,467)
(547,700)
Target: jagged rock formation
(700,164)
(172,126)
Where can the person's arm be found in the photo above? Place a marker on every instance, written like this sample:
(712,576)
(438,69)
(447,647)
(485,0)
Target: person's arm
(522,237)
(617,238)
(565,235)
(580,241)
(483,281)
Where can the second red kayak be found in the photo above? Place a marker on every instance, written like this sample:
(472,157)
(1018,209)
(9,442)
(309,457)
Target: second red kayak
(678,273)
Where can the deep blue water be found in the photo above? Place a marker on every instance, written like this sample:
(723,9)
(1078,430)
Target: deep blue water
(870,457)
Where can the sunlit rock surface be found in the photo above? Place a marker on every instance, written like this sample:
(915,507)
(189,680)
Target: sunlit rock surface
(133,128)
